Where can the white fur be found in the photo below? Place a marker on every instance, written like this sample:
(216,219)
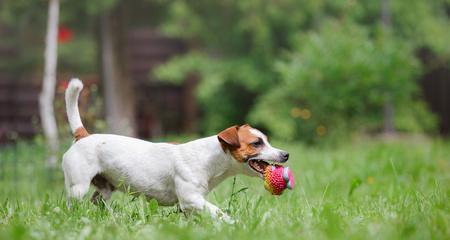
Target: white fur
(169,173)
(72,92)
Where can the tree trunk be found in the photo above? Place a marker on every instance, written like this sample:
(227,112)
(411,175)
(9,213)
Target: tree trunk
(118,88)
(190,108)
(48,85)
(388,109)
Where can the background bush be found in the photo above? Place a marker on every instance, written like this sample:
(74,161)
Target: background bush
(339,79)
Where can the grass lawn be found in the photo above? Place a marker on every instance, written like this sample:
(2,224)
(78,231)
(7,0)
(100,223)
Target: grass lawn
(364,190)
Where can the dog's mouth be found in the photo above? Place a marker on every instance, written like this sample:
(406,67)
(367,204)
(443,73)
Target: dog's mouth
(259,166)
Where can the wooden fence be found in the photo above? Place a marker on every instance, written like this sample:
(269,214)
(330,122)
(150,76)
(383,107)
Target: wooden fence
(162,108)
(19,108)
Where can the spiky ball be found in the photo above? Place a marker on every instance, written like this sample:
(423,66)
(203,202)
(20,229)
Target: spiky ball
(277,178)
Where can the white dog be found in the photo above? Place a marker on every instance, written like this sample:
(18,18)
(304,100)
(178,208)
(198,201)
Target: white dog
(169,173)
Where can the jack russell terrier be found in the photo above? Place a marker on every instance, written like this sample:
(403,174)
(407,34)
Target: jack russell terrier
(169,173)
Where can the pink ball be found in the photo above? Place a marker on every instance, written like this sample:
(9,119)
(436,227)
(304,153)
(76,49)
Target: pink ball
(277,178)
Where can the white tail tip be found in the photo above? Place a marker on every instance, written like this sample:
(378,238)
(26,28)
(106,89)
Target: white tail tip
(76,84)
(73,90)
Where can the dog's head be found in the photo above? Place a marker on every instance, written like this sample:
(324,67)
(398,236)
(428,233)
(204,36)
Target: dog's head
(251,147)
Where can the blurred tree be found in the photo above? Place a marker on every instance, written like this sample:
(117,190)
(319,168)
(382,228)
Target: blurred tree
(46,99)
(388,107)
(337,81)
(118,88)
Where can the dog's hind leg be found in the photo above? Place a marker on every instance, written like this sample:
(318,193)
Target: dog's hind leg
(77,175)
(78,191)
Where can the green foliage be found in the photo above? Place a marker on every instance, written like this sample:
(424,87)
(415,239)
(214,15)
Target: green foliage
(21,13)
(342,78)
(226,85)
(415,117)
(78,56)
(236,63)
(258,28)
(363,190)
(27,20)
(423,23)
(332,59)
(419,23)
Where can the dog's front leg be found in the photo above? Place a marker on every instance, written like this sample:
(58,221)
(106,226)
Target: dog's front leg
(199,203)
(191,199)
(217,213)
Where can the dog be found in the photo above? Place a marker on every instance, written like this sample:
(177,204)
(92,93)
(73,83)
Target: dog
(170,173)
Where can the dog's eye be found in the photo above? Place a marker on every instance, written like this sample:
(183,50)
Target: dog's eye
(257,143)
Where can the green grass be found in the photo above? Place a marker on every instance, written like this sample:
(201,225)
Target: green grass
(362,190)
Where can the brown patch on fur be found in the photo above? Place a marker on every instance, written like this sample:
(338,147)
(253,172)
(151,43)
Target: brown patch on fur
(229,138)
(100,183)
(80,133)
(243,149)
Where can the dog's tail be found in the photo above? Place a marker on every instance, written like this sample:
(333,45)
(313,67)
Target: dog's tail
(72,93)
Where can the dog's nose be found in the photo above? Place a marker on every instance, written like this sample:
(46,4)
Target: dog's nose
(285,156)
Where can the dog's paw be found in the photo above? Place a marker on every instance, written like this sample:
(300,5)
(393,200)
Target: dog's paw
(227,219)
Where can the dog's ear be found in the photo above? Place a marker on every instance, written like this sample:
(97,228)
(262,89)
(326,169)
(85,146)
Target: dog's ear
(229,137)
